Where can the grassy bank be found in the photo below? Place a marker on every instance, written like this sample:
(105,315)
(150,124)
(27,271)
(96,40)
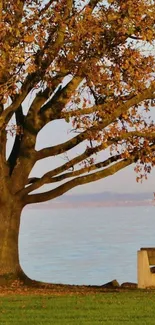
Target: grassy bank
(109,308)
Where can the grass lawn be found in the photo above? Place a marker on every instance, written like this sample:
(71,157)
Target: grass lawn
(133,307)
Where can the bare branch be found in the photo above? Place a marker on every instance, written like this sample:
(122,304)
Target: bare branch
(52,109)
(41,197)
(18,138)
(47,179)
(36,183)
(9,111)
(112,169)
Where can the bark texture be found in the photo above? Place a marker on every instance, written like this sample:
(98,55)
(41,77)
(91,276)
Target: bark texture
(10,212)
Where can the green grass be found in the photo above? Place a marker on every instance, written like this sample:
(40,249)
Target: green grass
(106,308)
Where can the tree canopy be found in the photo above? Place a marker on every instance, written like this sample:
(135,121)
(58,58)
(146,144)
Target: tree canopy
(91,64)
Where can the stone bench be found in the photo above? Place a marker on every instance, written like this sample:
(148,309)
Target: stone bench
(146,259)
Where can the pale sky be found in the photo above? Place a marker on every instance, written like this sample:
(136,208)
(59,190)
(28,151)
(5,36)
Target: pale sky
(58,132)
(123,181)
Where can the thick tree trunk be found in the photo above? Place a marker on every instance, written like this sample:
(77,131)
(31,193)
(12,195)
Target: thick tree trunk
(10,212)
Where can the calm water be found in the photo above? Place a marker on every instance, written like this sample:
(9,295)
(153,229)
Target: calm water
(85,246)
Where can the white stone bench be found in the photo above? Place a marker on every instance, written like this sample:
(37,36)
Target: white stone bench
(145,259)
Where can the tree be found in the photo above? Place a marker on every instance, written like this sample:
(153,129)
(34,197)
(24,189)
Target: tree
(89,64)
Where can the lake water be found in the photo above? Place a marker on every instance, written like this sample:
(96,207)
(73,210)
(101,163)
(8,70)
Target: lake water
(83,245)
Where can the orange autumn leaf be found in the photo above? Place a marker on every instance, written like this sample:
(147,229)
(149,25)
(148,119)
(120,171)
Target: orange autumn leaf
(28,38)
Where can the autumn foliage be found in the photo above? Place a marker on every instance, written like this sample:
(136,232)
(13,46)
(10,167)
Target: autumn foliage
(86,63)
(91,64)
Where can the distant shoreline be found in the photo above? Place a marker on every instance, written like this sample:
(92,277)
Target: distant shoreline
(72,205)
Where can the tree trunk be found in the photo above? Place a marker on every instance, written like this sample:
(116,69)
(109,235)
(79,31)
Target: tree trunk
(10,212)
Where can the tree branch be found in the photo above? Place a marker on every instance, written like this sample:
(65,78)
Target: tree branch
(63,95)
(140,134)
(41,197)
(112,169)
(99,106)
(52,109)
(47,179)
(120,109)
(18,138)
(37,182)
(74,83)
(10,110)
(92,3)
(46,7)
(35,77)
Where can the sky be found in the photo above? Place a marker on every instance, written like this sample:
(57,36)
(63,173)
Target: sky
(123,181)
